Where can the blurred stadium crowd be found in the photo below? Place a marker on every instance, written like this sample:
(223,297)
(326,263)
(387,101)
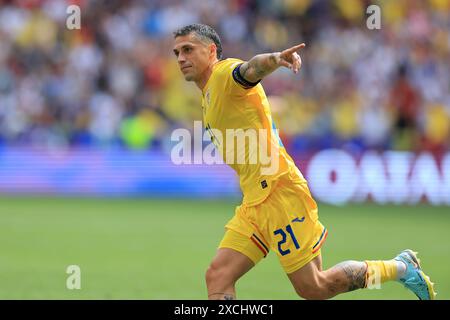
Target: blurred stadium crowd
(115,82)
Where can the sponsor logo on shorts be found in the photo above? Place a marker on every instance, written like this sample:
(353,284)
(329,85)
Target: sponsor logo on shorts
(299,220)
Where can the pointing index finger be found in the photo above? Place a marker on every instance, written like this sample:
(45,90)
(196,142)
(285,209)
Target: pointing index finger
(296,48)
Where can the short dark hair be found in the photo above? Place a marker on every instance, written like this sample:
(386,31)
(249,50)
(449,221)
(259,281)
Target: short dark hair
(204,32)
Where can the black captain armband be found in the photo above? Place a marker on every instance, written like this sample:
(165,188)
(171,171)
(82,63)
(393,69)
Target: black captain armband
(240,79)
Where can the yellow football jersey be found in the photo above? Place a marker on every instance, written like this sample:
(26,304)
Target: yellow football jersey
(237,116)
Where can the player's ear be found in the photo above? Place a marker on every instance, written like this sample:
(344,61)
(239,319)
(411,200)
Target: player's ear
(212,50)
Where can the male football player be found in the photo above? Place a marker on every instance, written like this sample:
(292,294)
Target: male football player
(278,212)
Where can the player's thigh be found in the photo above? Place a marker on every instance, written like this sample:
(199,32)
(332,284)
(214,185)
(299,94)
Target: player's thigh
(307,279)
(236,255)
(228,266)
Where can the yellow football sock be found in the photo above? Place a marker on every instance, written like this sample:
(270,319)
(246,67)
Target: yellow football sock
(380,271)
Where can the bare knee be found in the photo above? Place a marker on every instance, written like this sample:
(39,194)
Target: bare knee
(218,276)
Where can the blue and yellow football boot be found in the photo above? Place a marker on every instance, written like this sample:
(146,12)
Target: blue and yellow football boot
(414,278)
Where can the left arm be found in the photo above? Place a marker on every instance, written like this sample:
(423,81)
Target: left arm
(262,65)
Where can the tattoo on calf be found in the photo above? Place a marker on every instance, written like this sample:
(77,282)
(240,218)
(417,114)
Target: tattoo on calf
(355,273)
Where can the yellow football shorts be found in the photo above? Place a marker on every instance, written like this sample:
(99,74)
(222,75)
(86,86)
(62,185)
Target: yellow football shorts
(286,222)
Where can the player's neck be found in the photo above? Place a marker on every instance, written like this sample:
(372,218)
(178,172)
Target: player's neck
(201,83)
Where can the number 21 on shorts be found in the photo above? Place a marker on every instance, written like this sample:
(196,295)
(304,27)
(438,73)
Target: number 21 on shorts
(284,239)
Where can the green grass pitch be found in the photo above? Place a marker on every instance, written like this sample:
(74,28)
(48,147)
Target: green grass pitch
(160,249)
